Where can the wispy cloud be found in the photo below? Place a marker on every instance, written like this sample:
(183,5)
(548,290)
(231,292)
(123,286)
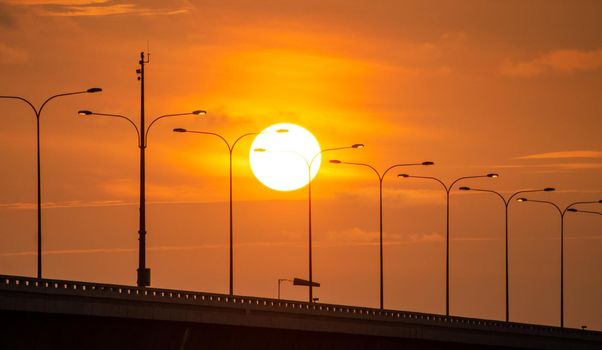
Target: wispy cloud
(564,155)
(356,236)
(81,8)
(567,60)
(118,250)
(68,204)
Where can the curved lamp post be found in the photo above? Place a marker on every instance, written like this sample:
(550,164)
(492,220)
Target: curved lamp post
(506,204)
(143,279)
(447,191)
(230,151)
(38,112)
(309,179)
(562,213)
(380,184)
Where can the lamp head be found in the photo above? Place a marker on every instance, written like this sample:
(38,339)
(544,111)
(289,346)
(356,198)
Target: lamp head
(259,150)
(403,175)
(282,131)
(93,90)
(464,188)
(358,145)
(335,161)
(493,175)
(549,189)
(522,199)
(428,163)
(199,112)
(179,130)
(84,112)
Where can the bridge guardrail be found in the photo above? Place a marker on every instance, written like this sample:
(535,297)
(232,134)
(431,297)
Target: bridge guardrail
(90,289)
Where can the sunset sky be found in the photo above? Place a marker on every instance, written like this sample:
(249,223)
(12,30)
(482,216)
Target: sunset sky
(513,87)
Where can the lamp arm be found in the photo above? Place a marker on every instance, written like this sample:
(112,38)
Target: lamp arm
(155,120)
(55,96)
(24,100)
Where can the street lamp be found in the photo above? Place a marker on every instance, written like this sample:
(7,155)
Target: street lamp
(447,191)
(143,279)
(230,150)
(561,212)
(38,112)
(309,165)
(584,211)
(506,204)
(280,280)
(380,183)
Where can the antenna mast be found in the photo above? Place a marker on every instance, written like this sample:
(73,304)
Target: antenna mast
(143,272)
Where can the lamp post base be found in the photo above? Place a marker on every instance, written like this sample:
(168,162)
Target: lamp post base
(143,277)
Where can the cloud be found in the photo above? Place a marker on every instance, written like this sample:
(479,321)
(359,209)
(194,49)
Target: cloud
(563,155)
(356,236)
(6,19)
(82,8)
(57,2)
(116,250)
(12,55)
(68,204)
(398,196)
(568,61)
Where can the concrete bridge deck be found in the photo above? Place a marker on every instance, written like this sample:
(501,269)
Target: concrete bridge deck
(69,314)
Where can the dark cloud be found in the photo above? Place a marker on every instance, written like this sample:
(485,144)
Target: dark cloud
(7,20)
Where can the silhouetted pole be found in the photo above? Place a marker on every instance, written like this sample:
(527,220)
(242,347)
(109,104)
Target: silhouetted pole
(447,192)
(230,151)
(309,164)
(380,207)
(38,112)
(143,273)
(506,204)
(561,212)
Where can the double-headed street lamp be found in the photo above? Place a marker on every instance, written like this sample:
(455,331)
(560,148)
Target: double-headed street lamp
(38,112)
(562,213)
(506,204)
(143,275)
(309,164)
(230,151)
(447,191)
(380,187)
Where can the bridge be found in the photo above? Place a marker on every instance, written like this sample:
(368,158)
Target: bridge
(57,314)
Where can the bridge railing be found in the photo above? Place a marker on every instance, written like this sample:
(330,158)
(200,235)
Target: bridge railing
(63,287)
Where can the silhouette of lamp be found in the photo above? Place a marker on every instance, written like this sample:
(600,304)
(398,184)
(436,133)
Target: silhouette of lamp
(309,180)
(38,112)
(506,204)
(380,183)
(143,279)
(447,192)
(230,151)
(562,212)
(280,280)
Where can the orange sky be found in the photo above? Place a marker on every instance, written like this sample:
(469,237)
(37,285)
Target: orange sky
(476,86)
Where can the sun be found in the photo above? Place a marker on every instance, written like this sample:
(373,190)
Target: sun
(280,160)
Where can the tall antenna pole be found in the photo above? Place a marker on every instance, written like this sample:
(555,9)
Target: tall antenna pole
(143,271)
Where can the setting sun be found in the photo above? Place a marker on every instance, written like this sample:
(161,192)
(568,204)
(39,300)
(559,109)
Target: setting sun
(281,161)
